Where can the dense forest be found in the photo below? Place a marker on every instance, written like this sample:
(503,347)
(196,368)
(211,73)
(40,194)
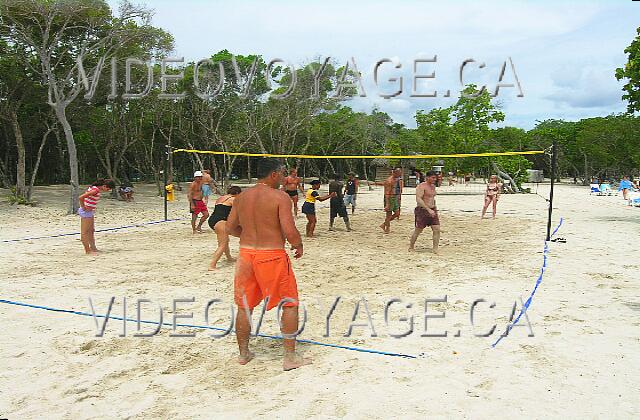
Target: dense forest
(63,120)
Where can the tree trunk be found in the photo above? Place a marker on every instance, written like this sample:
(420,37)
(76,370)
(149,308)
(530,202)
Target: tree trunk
(34,171)
(21,188)
(74,182)
(5,181)
(61,173)
(504,175)
(249,169)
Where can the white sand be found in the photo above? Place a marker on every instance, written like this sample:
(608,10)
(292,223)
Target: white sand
(583,360)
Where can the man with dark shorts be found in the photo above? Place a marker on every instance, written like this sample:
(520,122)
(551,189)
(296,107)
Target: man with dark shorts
(261,216)
(196,203)
(292,185)
(336,203)
(426,212)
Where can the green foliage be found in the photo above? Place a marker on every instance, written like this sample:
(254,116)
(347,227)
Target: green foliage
(128,139)
(516,167)
(631,72)
(13,198)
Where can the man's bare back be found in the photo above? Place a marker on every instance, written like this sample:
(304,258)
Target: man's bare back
(262,217)
(195,190)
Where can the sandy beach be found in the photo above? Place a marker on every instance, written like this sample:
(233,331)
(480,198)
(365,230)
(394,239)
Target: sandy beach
(582,361)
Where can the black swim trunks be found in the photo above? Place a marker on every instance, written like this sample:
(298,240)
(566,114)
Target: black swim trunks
(337,208)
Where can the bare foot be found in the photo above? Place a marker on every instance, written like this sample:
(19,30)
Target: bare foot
(331,229)
(435,252)
(232,259)
(244,359)
(92,253)
(412,249)
(349,230)
(294,360)
(212,268)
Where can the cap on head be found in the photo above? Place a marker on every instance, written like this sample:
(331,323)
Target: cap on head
(315,181)
(197,174)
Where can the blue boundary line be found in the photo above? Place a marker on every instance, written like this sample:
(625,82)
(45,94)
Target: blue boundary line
(207,327)
(97,230)
(526,305)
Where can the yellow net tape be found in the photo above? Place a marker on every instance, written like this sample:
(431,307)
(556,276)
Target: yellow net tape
(457,155)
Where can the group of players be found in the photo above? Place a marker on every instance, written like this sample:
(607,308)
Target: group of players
(340,197)
(263,217)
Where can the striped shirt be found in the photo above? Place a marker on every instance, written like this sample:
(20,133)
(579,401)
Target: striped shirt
(91,202)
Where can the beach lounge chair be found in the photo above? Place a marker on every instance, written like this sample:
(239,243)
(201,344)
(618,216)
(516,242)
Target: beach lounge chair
(634,198)
(605,189)
(595,189)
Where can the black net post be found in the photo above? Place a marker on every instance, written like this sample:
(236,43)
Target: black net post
(554,158)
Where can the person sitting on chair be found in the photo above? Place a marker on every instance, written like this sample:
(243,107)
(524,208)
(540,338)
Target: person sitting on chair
(126,192)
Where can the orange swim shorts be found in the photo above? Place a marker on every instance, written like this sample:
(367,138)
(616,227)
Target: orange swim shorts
(264,273)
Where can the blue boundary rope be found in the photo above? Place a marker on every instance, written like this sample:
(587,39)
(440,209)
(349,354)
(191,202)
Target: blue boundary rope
(97,230)
(526,305)
(206,327)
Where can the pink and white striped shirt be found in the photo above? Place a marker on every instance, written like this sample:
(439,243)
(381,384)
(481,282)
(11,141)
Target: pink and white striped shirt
(91,202)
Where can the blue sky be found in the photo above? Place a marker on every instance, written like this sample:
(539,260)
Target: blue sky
(564,52)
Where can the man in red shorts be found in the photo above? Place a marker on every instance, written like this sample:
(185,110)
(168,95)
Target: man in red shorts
(426,212)
(261,216)
(196,203)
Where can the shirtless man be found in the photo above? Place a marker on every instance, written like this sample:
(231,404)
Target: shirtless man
(196,204)
(392,198)
(261,216)
(208,185)
(426,211)
(292,185)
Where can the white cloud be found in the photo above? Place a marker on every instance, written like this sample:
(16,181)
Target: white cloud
(564,51)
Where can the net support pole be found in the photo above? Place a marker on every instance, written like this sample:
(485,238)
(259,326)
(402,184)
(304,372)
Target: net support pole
(166,178)
(554,161)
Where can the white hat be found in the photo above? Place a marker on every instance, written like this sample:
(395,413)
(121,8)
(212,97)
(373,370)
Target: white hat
(197,173)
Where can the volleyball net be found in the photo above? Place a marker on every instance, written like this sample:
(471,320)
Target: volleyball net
(233,166)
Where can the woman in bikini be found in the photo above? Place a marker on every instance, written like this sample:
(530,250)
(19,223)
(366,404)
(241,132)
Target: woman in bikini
(218,222)
(492,195)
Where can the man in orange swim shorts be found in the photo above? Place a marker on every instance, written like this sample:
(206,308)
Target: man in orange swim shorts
(261,216)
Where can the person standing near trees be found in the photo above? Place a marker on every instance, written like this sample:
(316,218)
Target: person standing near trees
(88,205)
(336,203)
(392,198)
(292,185)
(208,186)
(196,203)
(426,212)
(625,186)
(351,191)
(309,206)
(492,195)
